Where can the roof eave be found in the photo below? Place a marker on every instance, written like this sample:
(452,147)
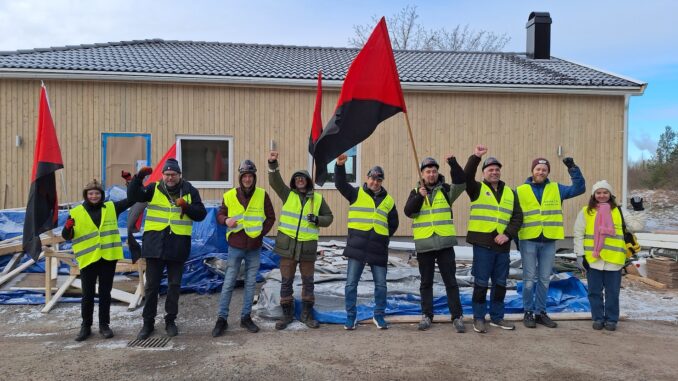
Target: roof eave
(46,74)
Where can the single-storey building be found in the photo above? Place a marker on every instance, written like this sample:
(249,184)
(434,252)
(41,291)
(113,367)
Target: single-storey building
(119,105)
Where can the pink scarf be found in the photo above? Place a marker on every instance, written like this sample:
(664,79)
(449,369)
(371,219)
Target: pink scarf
(602,228)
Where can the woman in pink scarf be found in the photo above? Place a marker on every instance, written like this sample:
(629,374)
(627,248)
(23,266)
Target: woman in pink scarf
(600,249)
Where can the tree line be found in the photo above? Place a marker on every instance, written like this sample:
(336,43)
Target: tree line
(661,170)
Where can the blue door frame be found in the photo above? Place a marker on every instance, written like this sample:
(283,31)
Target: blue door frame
(104,143)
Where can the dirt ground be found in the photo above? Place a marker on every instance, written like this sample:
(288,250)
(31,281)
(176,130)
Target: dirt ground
(39,346)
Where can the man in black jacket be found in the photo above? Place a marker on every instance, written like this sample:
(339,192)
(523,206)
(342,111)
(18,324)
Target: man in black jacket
(494,221)
(372,220)
(173,205)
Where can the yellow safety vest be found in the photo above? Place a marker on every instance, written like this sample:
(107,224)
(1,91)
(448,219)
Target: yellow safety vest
(546,217)
(434,218)
(488,215)
(252,219)
(160,214)
(614,248)
(91,243)
(364,215)
(293,221)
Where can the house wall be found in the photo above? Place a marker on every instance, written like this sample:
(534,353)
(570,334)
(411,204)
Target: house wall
(517,127)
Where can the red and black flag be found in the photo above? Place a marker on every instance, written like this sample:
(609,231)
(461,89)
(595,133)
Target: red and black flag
(42,211)
(317,125)
(371,93)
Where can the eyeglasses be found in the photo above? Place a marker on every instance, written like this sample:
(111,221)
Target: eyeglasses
(174,174)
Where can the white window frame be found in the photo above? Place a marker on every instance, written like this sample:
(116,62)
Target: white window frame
(210,184)
(330,185)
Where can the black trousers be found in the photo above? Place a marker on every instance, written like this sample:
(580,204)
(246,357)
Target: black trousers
(154,272)
(447,267)
(104,271)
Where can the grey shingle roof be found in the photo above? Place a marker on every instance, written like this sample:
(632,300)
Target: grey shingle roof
(302,62)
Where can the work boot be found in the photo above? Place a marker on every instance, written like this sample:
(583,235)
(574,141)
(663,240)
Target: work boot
(288,316)
(503,324)
(171,329)
(598,325)
(528,320)
(425,323)
(479,325)
(84,333)
(145,332)
(247,323)
(545,320)
(307,316)
(610,326)
(105,331)
(220,327)
(458,324)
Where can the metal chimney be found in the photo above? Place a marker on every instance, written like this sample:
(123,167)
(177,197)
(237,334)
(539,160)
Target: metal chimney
(539,35)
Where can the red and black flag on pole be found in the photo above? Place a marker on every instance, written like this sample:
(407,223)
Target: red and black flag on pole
(317,125)
(42,211)
(371,93)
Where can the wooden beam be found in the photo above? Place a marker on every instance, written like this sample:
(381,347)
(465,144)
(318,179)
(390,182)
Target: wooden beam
(19,269)
(647,281)
(12,262)
(60,292)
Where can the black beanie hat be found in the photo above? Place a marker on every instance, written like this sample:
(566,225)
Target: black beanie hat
(171,165)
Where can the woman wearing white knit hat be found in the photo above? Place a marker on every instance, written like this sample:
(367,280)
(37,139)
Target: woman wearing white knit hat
(600,248)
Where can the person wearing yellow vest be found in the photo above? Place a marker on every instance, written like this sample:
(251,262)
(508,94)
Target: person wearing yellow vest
(173,206)
(494,220)
(303,213)
(430,207)
(601,250)
(541,202)
(248,214)
(92,227)
(372,220)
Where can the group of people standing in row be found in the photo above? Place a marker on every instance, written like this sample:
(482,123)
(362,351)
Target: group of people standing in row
(531,214)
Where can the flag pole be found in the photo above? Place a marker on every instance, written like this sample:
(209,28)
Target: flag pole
(414,148)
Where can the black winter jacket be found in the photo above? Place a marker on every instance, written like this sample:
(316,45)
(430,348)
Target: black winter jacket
(164,244)
(366,246)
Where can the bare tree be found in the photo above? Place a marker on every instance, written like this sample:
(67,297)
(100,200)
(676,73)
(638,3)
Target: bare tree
(408,34)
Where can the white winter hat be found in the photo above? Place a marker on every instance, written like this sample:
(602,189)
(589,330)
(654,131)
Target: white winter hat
(602,184)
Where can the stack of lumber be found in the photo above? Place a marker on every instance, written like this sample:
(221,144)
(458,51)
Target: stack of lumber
(663,270)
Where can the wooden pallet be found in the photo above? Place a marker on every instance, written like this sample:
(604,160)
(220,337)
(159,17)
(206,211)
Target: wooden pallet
(663,270)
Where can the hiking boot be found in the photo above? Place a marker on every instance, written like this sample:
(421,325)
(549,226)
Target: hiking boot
(351,323)
(171,329)
(610,326)
(145,332)
(458,324)
(105,331)
(219,327)
(503,324)
(288,316)
(380,322)
(479,325)
(425,323)
(545,320)
(247,323)
(598,325)
(84,333)
(528,320)
(306,316)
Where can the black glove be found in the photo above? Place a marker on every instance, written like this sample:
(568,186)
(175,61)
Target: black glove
(312,218)
(569,162)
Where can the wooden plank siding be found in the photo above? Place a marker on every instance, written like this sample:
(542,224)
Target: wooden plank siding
(516,128)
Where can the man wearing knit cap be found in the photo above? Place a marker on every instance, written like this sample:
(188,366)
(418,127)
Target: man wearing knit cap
(248,214)
(173,205)
(494,220)
(541,202)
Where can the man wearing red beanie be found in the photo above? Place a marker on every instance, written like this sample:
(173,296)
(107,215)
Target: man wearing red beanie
(541,202)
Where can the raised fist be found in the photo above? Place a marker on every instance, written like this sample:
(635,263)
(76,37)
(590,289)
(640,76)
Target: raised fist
(480,150)
(341,159)
(272,156)
(144,171)
(569,162)
(126,175)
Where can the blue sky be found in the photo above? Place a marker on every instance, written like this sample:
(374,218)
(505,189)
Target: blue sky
(631,38)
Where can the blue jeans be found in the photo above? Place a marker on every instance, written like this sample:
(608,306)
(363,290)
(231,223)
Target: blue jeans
(538,260)
(235,258)
(607,308)
(355,270)
(489,264)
